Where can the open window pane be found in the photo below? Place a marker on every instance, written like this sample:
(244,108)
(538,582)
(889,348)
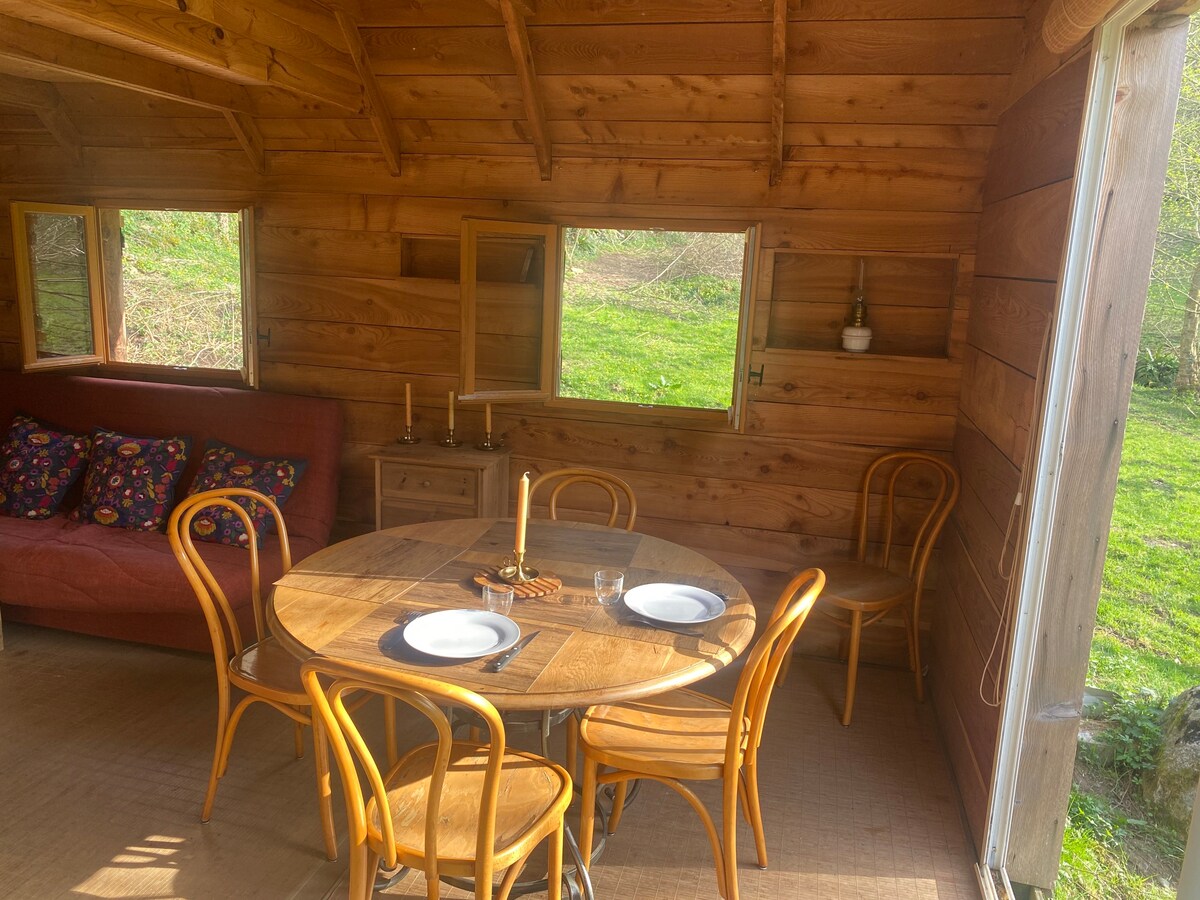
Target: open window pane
(507,280)
(174,287)
(58,287)
(651,317)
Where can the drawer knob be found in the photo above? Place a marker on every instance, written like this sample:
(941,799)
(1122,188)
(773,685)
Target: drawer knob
(425,483)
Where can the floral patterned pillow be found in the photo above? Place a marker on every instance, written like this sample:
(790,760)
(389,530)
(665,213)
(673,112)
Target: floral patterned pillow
(223,466)
(131,481)
(37,467)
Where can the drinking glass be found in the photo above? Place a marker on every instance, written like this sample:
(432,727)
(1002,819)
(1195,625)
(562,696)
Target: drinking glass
(608,586)
(498,598)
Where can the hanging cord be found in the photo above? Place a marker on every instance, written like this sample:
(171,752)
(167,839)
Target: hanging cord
(1014,537)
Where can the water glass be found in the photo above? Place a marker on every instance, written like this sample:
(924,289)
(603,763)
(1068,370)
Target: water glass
(608,586)
(498,598)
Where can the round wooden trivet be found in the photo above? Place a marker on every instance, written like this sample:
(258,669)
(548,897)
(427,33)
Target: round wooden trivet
(544,584)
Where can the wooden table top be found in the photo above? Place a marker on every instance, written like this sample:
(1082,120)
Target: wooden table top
(346,602)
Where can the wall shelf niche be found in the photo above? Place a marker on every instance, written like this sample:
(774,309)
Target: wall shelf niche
(910,302)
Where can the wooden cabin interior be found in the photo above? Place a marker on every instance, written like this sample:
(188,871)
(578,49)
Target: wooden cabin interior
(936,140)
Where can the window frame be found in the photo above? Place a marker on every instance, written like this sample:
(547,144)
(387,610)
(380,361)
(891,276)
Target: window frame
(101,362)
(733,417)
(26,304)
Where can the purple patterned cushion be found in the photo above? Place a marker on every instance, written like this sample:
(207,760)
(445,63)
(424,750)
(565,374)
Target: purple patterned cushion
(223,466)
(130,482)
(37,467)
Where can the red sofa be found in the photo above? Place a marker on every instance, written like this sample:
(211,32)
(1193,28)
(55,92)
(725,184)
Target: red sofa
(125,584)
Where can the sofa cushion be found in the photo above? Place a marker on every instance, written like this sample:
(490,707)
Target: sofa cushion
(38,465)
(130,481)
(91,569)
(223,466)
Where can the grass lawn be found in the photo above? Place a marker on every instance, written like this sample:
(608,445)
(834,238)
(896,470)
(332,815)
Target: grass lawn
(1146,639)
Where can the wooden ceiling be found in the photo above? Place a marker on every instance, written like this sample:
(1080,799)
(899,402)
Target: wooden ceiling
(765,80)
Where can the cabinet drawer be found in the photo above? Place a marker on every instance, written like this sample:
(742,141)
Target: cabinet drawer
(431,483)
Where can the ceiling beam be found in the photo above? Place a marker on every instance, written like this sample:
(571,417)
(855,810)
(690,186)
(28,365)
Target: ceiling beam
(249,137)
(376,108)
(191,37)
(47,104)
(53,51)
(778,87)
(273,23)
(535,112)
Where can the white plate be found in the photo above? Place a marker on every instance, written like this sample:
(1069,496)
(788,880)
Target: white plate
(679,604)
(461,633)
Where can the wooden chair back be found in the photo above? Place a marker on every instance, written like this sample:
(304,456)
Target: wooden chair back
(328,681)
(223,628)
(758,678)
(609,483)
(946,490)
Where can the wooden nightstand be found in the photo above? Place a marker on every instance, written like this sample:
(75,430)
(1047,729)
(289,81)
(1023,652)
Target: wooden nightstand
(424,482)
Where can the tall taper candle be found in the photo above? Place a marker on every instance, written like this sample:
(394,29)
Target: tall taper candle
(487,418)
(522,512)
(450,420)
(407,404)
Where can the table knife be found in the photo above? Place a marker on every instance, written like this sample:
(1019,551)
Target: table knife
(497,664)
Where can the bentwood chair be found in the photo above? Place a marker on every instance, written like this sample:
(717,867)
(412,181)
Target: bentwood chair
(867,592)
(264,670)
(613,486)
(684,735)
(450,808)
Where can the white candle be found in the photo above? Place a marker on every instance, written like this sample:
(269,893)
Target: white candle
(522,511)
(407,404)
(487,418)
(450,421)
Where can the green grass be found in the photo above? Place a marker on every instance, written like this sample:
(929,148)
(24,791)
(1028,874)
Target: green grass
(651,317)
(1147,639)
(1148,622)
(181,281)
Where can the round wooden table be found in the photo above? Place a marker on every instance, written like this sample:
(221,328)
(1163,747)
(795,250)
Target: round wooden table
(349,601)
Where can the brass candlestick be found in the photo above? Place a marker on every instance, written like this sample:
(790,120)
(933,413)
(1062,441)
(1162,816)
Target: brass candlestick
(407,437)
(488,443)
(514,570)
(448,440)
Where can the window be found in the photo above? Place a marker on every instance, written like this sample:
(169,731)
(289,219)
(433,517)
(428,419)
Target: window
(141,290)
(606,318)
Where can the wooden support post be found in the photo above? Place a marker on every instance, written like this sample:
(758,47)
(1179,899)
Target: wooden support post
(249,137)
(376,108)
(535,114)
(778,87)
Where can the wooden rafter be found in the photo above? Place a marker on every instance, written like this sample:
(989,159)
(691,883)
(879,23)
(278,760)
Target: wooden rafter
(195,39)
(778,87)
(249,137)
(304,29)
(47,105)
(535,113)
(376,108)
(52,51)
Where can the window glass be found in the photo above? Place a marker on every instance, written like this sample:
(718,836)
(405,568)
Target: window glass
(59,284)
(650,316)
(176,298)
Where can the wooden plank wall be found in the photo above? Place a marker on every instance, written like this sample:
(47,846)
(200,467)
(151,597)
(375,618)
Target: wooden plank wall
(889,127)
(1026,203)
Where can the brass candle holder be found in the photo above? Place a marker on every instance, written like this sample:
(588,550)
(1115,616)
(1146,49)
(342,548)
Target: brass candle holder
(488,444)
(514,571)
(408,437)
(448,440)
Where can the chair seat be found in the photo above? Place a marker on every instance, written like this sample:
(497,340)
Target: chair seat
(530,789)
(679,734)
(863,587)
(269,670)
